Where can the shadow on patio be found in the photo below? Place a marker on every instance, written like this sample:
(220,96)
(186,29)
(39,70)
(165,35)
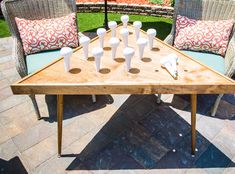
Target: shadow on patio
(144,135)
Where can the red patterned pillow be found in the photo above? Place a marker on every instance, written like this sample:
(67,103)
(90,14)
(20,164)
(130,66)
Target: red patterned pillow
(48,34)
(198,35)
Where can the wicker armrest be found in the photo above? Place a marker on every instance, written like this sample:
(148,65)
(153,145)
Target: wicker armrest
(169,39)
(18,55)
(80,34)
(230,58)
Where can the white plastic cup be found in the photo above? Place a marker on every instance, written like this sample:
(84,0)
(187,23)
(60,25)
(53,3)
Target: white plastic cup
(66,52)
(170,63)
(128,54)
(113,25)
(137,25)
(141,42)
(97,52)
(85,41)
(173,58)
(151,35)
(124,19)
(114,43)
(101,33)
(124,33)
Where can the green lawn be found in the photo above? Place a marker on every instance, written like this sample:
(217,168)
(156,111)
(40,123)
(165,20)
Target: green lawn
(92,21)
(4,30)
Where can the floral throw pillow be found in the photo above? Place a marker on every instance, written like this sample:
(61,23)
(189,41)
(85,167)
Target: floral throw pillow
(48,34)
(198,35)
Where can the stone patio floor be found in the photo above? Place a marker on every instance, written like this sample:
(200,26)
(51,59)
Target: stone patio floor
(117,134)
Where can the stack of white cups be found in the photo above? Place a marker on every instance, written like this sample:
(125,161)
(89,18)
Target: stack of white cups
(97,52)
(125,19)
(151,35)
(114,42)
(141,42)
(137,25)
(124,33)
(128,54)
(113,25)
(101,33)
(66,52)
(84,41)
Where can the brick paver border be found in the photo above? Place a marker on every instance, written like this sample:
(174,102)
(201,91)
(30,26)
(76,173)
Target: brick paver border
(150,10)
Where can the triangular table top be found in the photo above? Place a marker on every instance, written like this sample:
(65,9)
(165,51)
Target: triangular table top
(146,76)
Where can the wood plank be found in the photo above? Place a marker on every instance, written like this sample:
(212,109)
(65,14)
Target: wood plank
(146,76)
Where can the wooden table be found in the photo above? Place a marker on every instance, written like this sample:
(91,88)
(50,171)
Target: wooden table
(146,77)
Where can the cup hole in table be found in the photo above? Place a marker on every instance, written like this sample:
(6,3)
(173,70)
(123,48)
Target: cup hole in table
(134,71)
(91,59)
(155,49)
(119,59)
(105,71)
(146,59)
(185,70)
(107,48)
(156,70)
(130,33)
(75,70)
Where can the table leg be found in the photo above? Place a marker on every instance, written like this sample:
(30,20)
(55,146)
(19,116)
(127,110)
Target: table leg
(59,121)
(193,122)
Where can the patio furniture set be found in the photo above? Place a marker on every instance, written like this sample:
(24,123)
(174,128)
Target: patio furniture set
(198,72)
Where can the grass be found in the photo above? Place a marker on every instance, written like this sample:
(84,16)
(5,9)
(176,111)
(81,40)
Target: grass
(157,1)
(92,21)
(4,30)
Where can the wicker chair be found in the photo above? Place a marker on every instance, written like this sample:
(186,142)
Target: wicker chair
(33,9)
(209,10)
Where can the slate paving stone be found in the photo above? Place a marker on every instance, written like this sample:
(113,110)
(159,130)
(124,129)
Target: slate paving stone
(175,160)
(140,156)
(143,148)
(8,150)
(226,135)
(7,65)
(212,158)
(23,109)
(209,127)
(230,98)
(4,83)
(13,166)
(172,132)
(12,101)
(132,139)
(154,149)
(154,121)
(185,145)
(5,59)
(116,125)
(141,108)
(5,93)
(204,103)
(106,160)
(180,156)
(225,110)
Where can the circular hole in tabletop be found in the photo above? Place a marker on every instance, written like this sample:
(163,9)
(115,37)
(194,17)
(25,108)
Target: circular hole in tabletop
(91,59)
(155,49)
(107,48)
(146,59)
(134,71)
(119,59)
(75,70)
(185,70)
(156,70)
(130,33)
(105,71)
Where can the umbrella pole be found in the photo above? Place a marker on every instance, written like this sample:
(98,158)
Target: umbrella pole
(105,14)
